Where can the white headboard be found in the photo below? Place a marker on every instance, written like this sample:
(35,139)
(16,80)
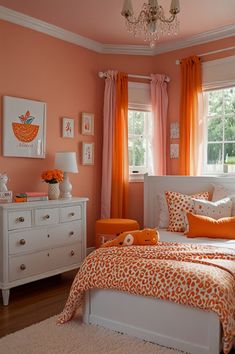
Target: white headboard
(153,185)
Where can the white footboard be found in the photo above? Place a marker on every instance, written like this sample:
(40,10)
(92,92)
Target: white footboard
(163,322)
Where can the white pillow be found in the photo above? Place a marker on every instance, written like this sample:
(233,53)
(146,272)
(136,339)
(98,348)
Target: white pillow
(163,211)
(221,192)
(216,210)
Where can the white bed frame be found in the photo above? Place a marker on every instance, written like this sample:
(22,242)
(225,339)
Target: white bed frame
(163,322)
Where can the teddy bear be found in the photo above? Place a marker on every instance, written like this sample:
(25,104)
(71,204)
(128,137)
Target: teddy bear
(137,237)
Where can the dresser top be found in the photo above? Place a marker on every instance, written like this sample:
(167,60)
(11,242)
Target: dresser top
(44,203)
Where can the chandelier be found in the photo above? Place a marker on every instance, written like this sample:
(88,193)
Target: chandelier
(151,21)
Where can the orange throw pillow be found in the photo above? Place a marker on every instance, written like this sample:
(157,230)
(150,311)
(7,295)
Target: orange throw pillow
(204,226)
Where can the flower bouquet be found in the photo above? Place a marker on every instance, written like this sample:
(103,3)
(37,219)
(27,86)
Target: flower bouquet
(52,176)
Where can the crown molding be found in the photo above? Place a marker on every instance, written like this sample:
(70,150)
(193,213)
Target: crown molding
(60,33)
(214,35)
(49,29)
(127,49)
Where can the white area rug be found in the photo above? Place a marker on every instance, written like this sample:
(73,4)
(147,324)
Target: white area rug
(75,337)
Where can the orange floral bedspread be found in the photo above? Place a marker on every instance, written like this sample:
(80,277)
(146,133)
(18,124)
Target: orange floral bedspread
(189,274)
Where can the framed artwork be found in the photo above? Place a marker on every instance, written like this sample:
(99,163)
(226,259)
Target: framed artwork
(174,130)
(174,151)
(68,128)
(88,153)
(87,123)
(24,127)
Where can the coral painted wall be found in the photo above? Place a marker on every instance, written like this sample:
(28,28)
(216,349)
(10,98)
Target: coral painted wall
(39,67)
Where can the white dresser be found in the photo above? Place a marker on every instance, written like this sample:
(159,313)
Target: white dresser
(40,239)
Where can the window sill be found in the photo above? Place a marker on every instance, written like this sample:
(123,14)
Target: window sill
(136,177)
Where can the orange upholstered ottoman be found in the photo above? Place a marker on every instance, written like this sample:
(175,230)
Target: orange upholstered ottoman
(107,229)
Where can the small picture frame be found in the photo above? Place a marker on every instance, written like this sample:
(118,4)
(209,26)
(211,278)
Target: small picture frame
(174,151)
(67,127)
(174,130)
(88,153)
(87,123)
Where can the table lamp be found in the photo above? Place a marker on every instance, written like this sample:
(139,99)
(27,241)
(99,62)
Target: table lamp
(67,162)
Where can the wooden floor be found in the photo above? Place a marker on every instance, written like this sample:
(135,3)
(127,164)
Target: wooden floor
(34,302)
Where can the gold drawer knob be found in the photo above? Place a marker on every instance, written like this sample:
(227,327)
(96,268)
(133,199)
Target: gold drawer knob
(23,267)
(22,241)
(72,253)
(46,217)
(20,219)
(71,233)
(71,214)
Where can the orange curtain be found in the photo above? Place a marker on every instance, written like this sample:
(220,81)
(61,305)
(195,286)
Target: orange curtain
(120,166)
(191,87)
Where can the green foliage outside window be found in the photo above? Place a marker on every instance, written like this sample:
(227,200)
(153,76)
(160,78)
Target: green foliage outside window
(221,127)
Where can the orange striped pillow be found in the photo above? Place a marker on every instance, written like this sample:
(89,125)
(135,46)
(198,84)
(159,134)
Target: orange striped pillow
(204,226)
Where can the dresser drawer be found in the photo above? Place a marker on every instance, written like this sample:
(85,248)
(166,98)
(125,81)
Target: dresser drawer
(31,264)
(70,213)
(25,266)
(66,256)
(19,219)
(44,238)
(46,216)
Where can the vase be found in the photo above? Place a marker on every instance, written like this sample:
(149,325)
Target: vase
(53,191)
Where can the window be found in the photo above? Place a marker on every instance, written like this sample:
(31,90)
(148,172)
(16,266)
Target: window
(220,131)
(138,141)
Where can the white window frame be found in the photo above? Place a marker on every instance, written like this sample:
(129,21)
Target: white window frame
(206,117)
(141,170)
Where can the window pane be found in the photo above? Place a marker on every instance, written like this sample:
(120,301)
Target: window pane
(215,102)
(130,122)
(229,128)
(130,152)
(229,101)
(229,153)
(214,154)
(139,147)
(139,123)
(215,129)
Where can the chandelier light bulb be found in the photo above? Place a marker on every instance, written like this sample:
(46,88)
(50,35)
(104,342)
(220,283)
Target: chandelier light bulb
(151,23)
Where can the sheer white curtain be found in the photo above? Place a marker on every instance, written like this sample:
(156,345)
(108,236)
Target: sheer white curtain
(159,100)
(108,124)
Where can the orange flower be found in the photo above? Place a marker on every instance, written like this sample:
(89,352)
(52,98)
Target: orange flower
(52,176)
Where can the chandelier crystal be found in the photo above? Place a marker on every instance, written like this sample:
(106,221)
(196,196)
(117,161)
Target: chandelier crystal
(151,21)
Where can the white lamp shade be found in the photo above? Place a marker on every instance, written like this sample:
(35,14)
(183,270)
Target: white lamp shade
(66,161)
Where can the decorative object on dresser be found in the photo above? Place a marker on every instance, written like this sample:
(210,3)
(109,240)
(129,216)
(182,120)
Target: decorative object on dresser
(5,194)
(24,127)
(40,239)
(67,162)
(31,197)
(53,177)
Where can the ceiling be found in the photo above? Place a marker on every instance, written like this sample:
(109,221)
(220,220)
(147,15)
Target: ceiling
(100,20)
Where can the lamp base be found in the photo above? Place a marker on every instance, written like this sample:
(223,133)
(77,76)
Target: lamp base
(65,187)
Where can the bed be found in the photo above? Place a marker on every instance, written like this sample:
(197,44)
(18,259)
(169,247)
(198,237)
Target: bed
(167,323)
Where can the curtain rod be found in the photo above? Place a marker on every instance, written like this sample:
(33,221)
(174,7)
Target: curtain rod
(102,75)
(208,53)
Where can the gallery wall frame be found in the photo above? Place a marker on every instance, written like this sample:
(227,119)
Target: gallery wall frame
(87,153)
(67,127)
(24,127)
(87,123)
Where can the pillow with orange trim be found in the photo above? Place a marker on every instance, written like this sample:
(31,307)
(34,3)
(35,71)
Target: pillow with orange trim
(178,204)
(204,226)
